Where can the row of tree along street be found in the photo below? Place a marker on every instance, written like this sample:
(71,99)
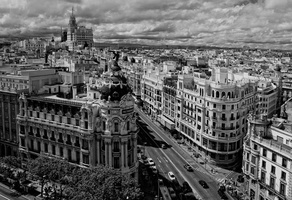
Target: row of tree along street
(66,181)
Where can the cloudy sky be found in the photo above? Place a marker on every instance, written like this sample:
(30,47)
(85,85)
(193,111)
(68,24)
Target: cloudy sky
(255,23)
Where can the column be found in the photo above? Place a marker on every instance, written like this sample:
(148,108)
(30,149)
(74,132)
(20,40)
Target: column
(98,152)
(122,154)
(126,154)
(106,153)
(20,107)
(135,149)
(110,154)
(42,146)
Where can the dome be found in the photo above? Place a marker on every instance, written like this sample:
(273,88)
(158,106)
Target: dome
(115,67)
(114,92)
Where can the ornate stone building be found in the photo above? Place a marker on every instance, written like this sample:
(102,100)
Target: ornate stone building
(96,128)
(78,35)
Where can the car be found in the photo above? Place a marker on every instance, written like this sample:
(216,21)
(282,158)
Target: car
(172,193)
(160,182)
(150,162)
(154,169)
(188,167)
(143,157)
(163,146)
(204,184)
(171,176)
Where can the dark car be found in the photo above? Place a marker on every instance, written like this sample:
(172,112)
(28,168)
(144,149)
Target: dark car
(188,167)
(204,184)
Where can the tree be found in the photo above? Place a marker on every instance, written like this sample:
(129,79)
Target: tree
(103,183)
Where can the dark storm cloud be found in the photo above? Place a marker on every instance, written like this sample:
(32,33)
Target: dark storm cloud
(179,21)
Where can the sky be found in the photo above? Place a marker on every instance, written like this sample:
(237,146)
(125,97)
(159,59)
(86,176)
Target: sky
(225,23)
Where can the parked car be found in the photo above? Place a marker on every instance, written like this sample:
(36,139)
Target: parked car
(204,184)
(160,182)
(154,169)
(171,176)
(188,167)
(150,162)
(163,146)
(172,193)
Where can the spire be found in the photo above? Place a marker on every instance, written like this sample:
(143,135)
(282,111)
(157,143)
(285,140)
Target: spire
(72,10)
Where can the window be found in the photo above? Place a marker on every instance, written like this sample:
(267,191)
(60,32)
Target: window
(255,146)
(223,107)
(61,151)
(247,156)
(116,162)
(53,150)
(252,170)
(283,176)
(116,147)
(128,125)
(253,159)
(85,159)
(84,144)
(263,177)
(46,147)
(272,182)
(282,189)
(116,127)
(265,152)
(264,164)
(273,169)
(284,162)
(274,157)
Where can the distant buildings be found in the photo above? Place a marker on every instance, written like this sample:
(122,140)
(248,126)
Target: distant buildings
(78,35)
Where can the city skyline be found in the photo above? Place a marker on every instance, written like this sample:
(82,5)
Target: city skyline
(228,23)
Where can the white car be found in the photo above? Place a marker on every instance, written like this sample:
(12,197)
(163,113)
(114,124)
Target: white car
(150,162)
(171,176)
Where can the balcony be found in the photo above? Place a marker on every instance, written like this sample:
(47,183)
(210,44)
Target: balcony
(272,190)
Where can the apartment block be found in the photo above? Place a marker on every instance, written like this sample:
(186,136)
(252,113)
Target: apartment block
(267,161)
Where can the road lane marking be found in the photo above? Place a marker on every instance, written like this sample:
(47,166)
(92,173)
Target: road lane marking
(4,197)
(158,159)
(182,175)
(165,159)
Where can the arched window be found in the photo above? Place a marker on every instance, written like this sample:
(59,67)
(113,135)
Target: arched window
(228,95)
(223,94)
(217,94)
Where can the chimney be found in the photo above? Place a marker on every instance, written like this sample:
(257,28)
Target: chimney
(74,92)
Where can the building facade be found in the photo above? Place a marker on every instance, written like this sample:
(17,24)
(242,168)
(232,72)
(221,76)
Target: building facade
(11,86)
(211,114)
(96,129)
(267,162)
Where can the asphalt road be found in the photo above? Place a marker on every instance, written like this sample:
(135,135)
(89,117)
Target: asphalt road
(173,159)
